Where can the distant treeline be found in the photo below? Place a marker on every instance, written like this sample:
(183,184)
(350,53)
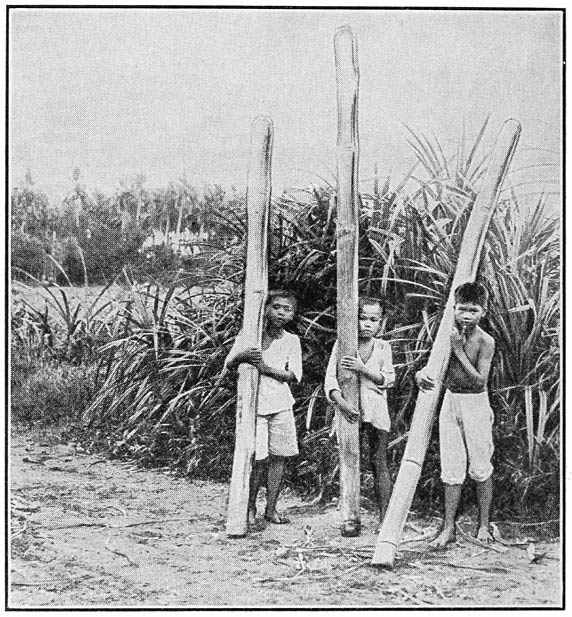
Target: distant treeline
(93,236)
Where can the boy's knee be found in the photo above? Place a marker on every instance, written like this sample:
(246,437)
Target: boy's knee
(452,479)
(275,458)
(481,474)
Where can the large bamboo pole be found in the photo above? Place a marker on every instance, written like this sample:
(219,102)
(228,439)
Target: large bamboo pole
(347,232)
(425,408)
(255,290)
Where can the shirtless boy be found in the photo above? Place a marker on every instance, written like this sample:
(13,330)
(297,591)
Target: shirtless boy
(466,418)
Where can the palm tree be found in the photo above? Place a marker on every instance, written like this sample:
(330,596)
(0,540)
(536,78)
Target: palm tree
(75,206)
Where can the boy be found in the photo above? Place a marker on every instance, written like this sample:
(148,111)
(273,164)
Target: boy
(374,365)
(279,363)
(466,418)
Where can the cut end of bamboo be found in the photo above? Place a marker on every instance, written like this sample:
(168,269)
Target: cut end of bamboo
(261,133)
(384,555)
(345,48)
(236,526)
(508,139)
(262,122)
(513,124)
(344,34)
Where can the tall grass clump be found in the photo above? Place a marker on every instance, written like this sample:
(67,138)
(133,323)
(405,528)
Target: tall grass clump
(163,399)
(52,392)
(53,351)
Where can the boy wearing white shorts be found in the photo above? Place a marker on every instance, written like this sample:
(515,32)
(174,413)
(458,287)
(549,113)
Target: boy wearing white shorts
(279,363)
(466,418)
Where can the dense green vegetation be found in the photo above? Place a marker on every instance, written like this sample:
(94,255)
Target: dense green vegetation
(153,361)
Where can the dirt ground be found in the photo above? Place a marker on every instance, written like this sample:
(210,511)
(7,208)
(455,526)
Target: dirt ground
(89,532)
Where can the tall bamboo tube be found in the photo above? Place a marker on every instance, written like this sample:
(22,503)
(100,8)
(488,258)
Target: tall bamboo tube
(255,291)
(425,408)
(347,232)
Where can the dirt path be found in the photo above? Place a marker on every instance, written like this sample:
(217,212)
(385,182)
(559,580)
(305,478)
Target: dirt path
(95,533)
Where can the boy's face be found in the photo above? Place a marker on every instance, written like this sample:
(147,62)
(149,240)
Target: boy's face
(369,321)
(280,311)
(468,315)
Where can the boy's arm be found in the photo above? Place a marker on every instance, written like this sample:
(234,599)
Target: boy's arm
(388,370)
(424,382)
(239,354)
(232,360)
(331,379)
(276,373)
(295,360)
(333,390)
(355,364)
(348,410)
(384,376)
(293,372)
(479,374)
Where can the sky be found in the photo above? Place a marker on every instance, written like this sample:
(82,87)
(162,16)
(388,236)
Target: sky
(167,92)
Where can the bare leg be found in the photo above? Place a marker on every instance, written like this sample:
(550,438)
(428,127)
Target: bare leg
(256,479)
(447,535)
(378,459)
(484,497)
(275,474)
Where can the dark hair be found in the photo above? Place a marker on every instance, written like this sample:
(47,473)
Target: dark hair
(282,293)
(471,293)
(368,301)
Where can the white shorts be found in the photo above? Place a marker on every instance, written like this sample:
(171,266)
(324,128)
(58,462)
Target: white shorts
(276,435)
(465,433)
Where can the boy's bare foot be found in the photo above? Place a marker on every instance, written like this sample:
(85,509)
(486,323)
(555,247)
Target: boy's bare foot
(447,536)
(484,535)
(251,515)
(277,519)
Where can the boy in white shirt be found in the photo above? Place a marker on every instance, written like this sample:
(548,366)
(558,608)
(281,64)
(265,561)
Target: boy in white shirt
(374,366)
(280,364)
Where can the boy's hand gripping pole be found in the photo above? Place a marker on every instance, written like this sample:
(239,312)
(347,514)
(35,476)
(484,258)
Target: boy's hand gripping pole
(347,237)
(426,405)
(255,291)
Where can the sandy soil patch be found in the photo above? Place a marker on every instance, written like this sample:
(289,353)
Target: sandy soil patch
(91,532)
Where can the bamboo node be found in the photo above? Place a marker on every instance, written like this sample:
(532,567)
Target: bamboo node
(345,231)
